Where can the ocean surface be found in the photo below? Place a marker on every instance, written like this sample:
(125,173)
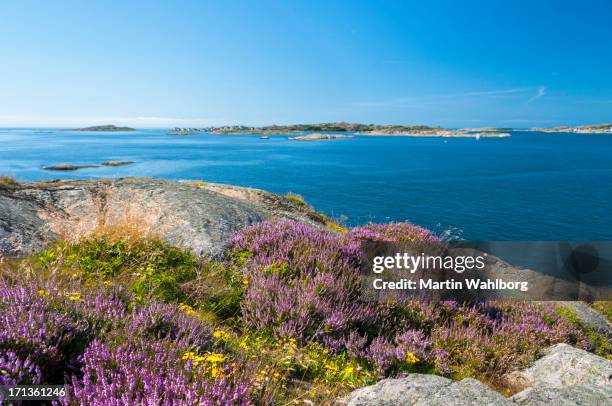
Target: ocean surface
(531,186)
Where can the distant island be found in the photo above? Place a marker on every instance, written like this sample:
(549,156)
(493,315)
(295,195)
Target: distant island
(104,128)
(358,129)
(74,167)
(582,129)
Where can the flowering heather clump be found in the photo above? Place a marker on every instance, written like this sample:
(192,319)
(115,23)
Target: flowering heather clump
(393,232)
(150,373)
(302,282)
(15,370)
(165,321)
(299,247)
(34,326)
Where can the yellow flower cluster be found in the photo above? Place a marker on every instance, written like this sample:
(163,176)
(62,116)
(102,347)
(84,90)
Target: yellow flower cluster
(280,359)
(221,335)
(186,308)
(213,362)
(74,296)
(411,358)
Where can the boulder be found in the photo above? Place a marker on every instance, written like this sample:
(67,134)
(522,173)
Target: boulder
(419,389)
(197,216)
(573,395)
(563,365)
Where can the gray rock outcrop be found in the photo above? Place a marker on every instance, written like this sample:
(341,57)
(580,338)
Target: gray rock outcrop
(575,395)
(422,390)
(197,216)
(563,365)
(563,376)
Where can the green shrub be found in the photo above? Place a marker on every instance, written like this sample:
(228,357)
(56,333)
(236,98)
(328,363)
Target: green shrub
(297,199)
(150,268)
(605,308)
(600,344)
(218,289)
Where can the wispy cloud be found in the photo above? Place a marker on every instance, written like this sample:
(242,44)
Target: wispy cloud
(541,93)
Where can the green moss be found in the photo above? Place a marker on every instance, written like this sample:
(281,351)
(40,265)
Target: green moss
(199,183)
(332,225)
(604,307)
(297,199)
(601,345)
(569,314)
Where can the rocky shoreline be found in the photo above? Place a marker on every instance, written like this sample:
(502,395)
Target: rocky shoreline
(584,129)
(317,137)
(197,216)
(439,133)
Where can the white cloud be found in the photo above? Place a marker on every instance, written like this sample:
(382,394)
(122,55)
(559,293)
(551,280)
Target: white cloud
(541,93)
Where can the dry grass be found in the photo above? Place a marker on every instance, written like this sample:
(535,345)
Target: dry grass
(8,181)
(130,227)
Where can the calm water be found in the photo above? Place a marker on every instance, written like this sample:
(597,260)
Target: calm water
(530,186)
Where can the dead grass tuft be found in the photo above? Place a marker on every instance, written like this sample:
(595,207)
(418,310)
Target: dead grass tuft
(130,227)
(8,181)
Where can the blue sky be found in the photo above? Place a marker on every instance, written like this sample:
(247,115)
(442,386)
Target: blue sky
(447,63)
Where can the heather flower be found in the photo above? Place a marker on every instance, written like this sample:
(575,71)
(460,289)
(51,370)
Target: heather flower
(163,321)
(150,373)
(16,370)
(38,328)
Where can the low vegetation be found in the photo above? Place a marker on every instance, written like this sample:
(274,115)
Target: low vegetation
(8,182)
(295,198)
(280,320)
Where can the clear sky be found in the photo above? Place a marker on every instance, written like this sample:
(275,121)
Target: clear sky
(448,63)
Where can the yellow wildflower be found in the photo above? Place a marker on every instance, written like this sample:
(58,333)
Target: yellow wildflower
(189,355)
(75,296)
(42,292)
(348,371)
(221,335)
(215,371)
(411,358)
(186,308)
(215,357)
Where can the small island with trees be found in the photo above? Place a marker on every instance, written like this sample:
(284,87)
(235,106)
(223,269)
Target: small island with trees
(104,128)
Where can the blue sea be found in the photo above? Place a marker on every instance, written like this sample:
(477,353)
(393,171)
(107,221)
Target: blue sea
(531,186)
